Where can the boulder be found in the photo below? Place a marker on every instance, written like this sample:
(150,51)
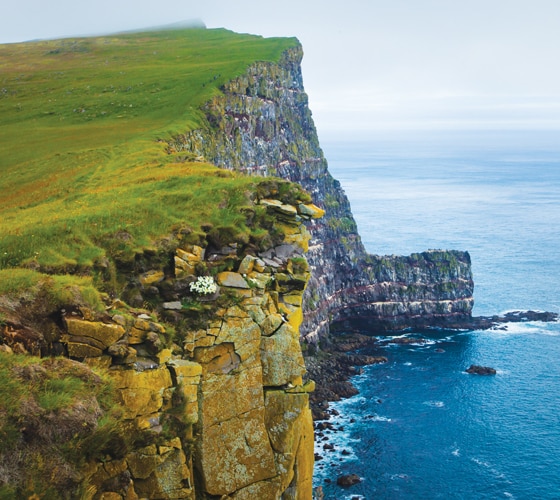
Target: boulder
(271,203)
(151,277)
(481,370)
(6,349)
(162,475)
(141,392)
(288,210)
(310,210)
(173,306)
(79,350)
(183,268)
(348,480)
(281,357)
(271,324)
(247,264)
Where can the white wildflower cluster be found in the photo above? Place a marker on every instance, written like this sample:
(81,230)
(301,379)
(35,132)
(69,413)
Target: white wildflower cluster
(204,285)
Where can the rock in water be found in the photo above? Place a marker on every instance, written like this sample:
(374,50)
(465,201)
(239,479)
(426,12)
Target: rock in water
(481,370)
(348,480)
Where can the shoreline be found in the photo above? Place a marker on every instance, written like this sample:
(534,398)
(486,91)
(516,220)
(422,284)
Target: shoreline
(340,361)
(344,355)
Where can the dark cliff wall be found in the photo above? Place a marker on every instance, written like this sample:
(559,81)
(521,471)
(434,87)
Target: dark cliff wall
(262,124)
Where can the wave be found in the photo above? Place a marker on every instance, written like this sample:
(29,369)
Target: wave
(395,477)
(434,404)
(378,418)
(495,472)
(528,328)
(334,443)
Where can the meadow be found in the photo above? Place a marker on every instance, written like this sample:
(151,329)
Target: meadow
(84,175)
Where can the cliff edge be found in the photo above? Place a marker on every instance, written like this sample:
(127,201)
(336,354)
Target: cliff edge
(150,304)
(261,124)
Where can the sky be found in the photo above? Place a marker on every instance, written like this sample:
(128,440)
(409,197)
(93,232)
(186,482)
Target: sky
(369,65)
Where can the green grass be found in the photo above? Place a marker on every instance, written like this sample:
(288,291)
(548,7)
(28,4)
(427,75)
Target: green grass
(80,160)
(79,94)
(54,413)
(86,187)
(55,290)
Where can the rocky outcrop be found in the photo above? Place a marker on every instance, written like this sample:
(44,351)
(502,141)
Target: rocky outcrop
(348,480)
(210,381)
(335,367)
(481,370)
(498,321)
(262,125)
(238,384)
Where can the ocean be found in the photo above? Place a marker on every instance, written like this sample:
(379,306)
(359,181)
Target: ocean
(422,428)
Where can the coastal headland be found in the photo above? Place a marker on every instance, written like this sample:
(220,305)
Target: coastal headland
(181,279)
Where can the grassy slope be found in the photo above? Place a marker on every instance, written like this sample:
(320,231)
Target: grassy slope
(79,157)
(83,179)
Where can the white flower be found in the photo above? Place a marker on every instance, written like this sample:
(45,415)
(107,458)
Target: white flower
(204,285)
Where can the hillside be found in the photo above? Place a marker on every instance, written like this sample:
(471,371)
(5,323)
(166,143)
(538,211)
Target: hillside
(79,154)
(173,287)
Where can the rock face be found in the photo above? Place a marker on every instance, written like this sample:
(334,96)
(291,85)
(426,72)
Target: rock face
(262,125)
(210,385)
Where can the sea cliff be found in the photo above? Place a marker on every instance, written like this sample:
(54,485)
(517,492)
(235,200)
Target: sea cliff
(208,382)
(261,124)
(163,301)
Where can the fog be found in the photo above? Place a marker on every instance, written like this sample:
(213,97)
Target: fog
(369,65)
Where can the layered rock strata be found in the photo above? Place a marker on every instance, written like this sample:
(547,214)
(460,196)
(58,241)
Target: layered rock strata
(262,125)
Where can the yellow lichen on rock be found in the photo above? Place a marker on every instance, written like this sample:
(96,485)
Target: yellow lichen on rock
(105,333)
(235,453)
(281,357)
(186,377)
(210,384)
(161,472)
(151,277)
(186,258)
(141,393)
(310,210)
(290,429)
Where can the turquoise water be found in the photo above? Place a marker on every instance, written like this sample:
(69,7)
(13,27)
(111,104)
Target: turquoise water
(421,427)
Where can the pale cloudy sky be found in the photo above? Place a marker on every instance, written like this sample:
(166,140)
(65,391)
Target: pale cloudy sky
(369,64)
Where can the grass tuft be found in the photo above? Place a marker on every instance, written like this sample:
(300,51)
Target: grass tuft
(54,414)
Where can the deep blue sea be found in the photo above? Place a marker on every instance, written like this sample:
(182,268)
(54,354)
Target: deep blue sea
(421,428)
